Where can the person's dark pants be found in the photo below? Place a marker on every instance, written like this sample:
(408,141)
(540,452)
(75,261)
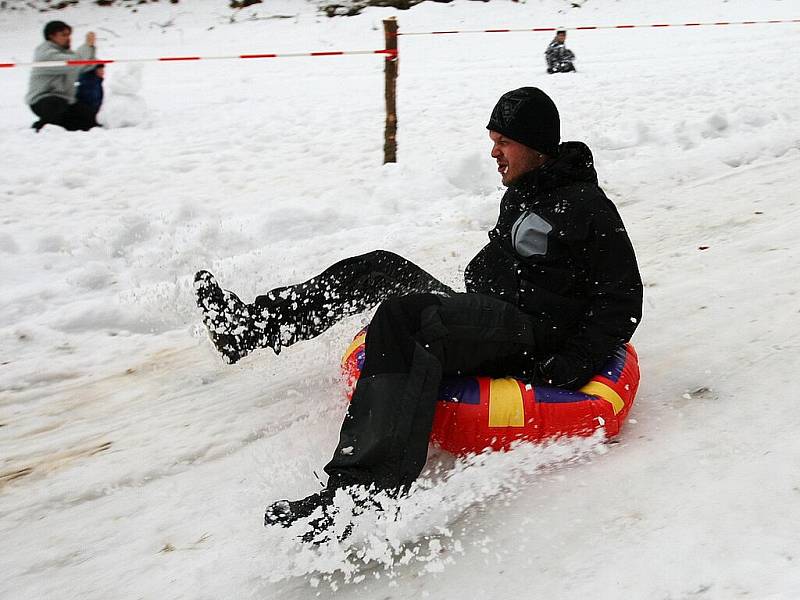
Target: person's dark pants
(349,287)
(72,117)
(412,341)
(564,67)
(421,331)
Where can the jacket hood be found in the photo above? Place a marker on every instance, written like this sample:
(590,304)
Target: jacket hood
(574,163)
(54,46)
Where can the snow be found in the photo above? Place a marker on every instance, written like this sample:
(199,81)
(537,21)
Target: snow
(124,107)
(135,464)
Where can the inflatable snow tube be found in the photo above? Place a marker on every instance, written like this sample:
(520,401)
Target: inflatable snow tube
(475,413)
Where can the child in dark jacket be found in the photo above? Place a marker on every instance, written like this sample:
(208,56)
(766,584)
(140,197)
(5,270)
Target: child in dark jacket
(90,90)
(560,59)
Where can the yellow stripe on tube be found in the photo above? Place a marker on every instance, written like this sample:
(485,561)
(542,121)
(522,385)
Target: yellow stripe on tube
(595,388)
(353,345)
(506,408)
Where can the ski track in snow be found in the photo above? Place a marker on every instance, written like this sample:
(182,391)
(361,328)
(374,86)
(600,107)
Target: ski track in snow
(135,464)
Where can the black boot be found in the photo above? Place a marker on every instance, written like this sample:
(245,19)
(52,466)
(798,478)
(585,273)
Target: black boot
(287,512)
(232,329)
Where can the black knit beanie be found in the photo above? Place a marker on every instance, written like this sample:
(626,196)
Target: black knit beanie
(530,117)
(54,27)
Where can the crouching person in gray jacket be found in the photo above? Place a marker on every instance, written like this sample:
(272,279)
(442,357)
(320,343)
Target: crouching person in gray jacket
(51,92)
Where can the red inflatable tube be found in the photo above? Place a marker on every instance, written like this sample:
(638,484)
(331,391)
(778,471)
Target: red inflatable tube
(475,413)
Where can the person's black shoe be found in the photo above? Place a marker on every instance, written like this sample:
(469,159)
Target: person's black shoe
(287,512)
(224,315)
(231,327)
(325,513)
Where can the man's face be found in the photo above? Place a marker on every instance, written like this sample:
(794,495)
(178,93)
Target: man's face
(62,38)
(561,37)
(513,159)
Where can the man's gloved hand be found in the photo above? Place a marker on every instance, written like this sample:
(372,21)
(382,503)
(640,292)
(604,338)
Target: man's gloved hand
(559,371)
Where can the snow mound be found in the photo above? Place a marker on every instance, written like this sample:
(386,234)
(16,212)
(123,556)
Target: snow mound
(124,107)
(473,173)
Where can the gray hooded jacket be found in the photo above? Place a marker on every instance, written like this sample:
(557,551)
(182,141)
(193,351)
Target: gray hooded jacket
(56,81)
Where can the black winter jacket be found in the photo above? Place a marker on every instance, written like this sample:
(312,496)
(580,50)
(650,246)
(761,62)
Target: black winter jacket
(560,252)
(558,57)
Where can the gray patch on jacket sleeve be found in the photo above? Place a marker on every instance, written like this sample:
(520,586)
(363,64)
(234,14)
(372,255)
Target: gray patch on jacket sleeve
(529,235)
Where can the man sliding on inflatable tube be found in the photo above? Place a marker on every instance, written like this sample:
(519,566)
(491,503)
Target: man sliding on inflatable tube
(549,299)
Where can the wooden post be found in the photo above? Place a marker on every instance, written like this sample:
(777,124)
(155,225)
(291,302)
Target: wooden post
(390,72)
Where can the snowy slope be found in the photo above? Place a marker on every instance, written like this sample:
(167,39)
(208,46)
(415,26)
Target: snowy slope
(135,464)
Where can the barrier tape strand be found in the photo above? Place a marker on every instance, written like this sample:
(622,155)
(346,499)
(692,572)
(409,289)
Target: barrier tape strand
(390,54)
(593,27)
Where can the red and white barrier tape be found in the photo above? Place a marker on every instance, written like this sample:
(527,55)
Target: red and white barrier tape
(389,53)
(589,27)
(81,63)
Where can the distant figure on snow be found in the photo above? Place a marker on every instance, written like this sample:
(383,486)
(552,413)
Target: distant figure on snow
(90,89)
(559,57)
(51,92)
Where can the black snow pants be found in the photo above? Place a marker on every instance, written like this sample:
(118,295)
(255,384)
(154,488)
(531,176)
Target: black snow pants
(72,117)
(562,67)
(421,331)
(412,341)
(348,287)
